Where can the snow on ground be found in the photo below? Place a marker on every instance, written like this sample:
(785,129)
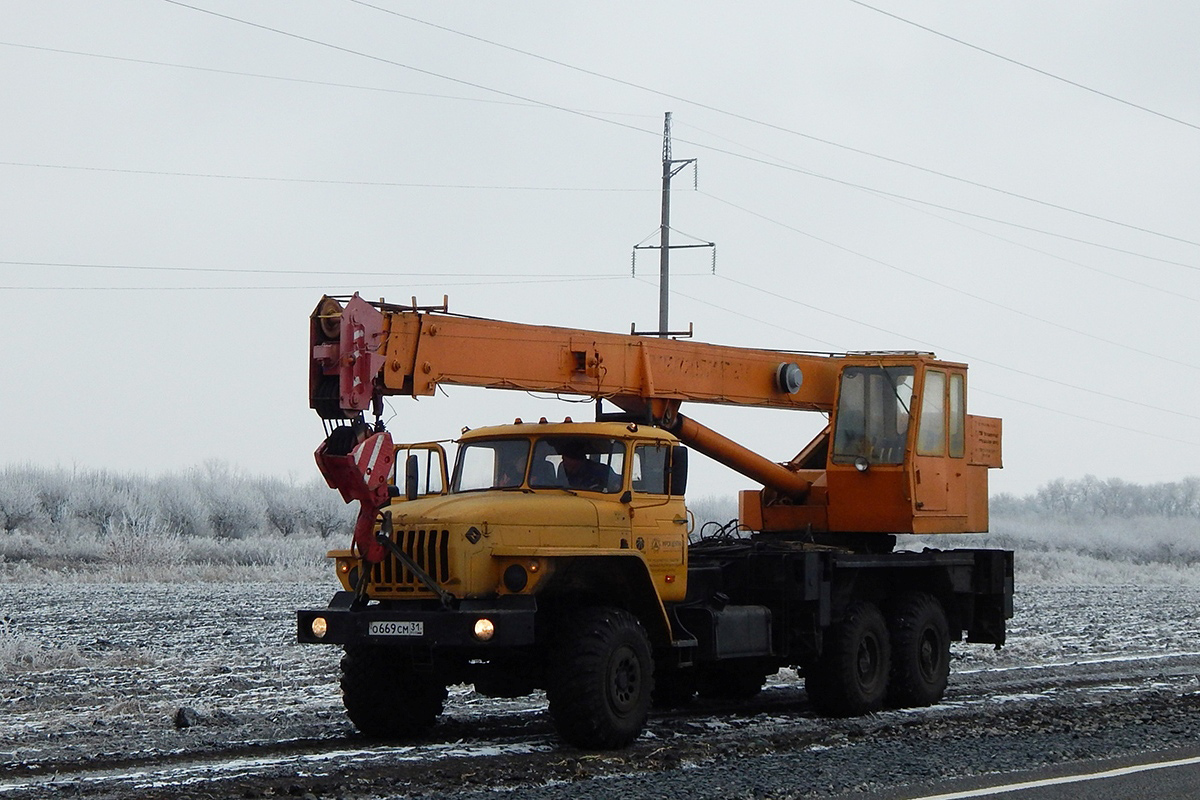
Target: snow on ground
(123,659)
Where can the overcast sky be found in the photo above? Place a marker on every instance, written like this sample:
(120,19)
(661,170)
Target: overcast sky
(181,184)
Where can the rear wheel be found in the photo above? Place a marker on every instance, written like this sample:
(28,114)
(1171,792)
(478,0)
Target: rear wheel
(385,697)
(920,639)
(601,679)
(851,676)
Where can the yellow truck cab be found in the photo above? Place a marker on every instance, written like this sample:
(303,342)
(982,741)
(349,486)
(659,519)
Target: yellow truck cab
(524,496)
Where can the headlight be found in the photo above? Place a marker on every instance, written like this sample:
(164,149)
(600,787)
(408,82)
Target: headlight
(484,629)
(319,627)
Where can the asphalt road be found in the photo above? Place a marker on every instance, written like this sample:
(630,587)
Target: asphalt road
(1173,775)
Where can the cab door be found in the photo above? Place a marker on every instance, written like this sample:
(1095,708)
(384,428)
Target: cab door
(658,516)
(929,464)
(939,474)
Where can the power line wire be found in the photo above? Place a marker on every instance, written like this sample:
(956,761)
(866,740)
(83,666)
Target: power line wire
(772,126)
(501,187)
(948,287)
(324,288)
(1031,229)
(317,181)
(307,81)
(973,359)
(1057,257)
(410,67)
(1174,437)
(338,272)
(896,197)
(1023,65)
(756,318)
(974,389)
(578,112)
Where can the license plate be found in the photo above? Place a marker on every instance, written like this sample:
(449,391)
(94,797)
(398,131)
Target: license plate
(396,628)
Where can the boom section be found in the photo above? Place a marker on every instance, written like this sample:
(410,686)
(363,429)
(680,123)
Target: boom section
(362,351)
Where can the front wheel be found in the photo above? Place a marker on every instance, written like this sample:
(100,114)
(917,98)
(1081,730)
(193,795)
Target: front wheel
(601,679)
(385,697)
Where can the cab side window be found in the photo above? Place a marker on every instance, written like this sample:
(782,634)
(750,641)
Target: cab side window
(650,468)
(931,437)
(958,417)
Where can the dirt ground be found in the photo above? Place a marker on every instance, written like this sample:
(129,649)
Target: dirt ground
(200,691)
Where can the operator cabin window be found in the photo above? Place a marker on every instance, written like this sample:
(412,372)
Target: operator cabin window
(497,464)
(650,468)
(958,415)
(931,437)
(873,414)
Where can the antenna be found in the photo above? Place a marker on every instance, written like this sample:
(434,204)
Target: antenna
(670,168)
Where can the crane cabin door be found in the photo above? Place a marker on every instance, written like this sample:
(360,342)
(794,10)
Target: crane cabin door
(939,454)
(867,472)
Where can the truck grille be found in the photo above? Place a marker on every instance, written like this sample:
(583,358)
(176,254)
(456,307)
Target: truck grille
(429,548)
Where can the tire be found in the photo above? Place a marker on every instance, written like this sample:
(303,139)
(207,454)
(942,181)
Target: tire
(851,676)
(920,638)
(385,697)
(601,679)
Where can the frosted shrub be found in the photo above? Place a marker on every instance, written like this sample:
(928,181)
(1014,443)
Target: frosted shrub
(19,508)
(234,507)
(15,547)
(97,500)
(718,509)
(280,503)
(323,512)
(180,506)
(53,489)
(141,540)
(1091,496)
(216,523)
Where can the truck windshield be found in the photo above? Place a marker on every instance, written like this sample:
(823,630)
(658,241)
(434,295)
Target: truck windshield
(873,414)
(494,464)
(590,463)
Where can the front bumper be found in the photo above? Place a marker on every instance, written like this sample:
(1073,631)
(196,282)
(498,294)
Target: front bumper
(435,628)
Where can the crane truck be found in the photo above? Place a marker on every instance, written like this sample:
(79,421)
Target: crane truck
(561,556)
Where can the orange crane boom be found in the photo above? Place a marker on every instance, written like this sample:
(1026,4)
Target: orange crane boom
(873,473)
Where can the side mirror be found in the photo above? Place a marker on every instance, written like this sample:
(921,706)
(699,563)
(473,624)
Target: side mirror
(410,477)
(679,470)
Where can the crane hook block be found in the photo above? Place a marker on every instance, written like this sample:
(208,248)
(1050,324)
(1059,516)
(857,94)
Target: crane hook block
(345,347)
(358,463)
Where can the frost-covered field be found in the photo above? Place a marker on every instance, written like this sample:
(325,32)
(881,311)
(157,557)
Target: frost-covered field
(103,670)
(122,659)
(129,639)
